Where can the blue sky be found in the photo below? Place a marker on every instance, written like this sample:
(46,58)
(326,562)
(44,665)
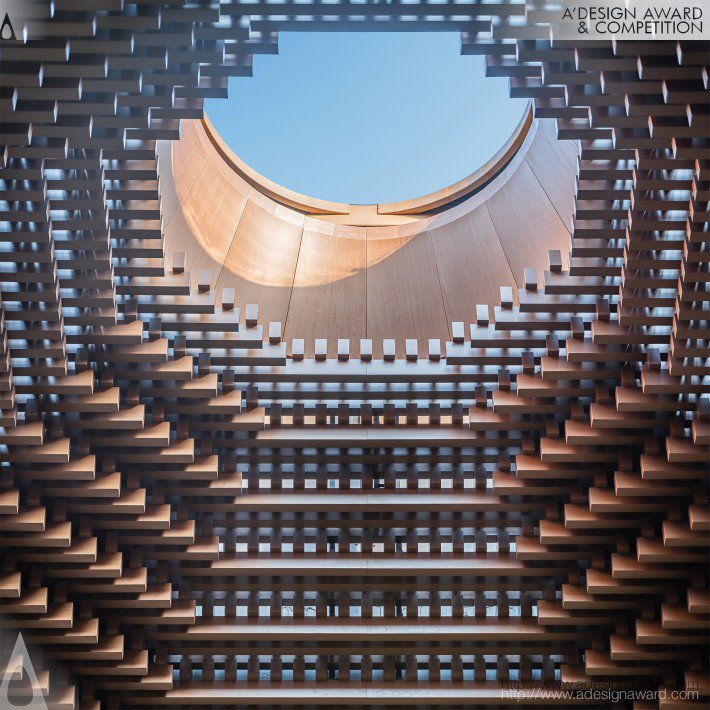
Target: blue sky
(366,117)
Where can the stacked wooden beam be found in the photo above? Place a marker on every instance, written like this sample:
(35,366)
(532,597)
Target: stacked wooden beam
(192,513)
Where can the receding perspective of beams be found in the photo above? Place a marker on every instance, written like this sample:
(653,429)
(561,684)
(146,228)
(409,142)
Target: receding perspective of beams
(246,462)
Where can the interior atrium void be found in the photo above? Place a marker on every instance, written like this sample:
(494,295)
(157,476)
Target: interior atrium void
(365,117)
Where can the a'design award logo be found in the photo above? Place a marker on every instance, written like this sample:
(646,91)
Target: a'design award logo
(6,30)
(21,668)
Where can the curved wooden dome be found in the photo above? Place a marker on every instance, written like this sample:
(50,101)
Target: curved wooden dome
(332,270)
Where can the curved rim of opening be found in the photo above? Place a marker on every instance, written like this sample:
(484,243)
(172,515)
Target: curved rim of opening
(416,206)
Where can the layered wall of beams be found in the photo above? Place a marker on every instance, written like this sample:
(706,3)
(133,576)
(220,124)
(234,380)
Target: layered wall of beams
(195,511)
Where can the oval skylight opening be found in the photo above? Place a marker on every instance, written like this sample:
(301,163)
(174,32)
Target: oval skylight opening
(366,117)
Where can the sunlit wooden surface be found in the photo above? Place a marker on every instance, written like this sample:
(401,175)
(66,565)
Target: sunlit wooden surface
(194,512)
(324,279)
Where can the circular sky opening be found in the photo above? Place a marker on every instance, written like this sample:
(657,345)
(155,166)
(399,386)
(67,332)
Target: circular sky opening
(366,117)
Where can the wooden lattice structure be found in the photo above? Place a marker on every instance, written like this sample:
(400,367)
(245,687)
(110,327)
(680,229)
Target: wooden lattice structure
(194,513)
